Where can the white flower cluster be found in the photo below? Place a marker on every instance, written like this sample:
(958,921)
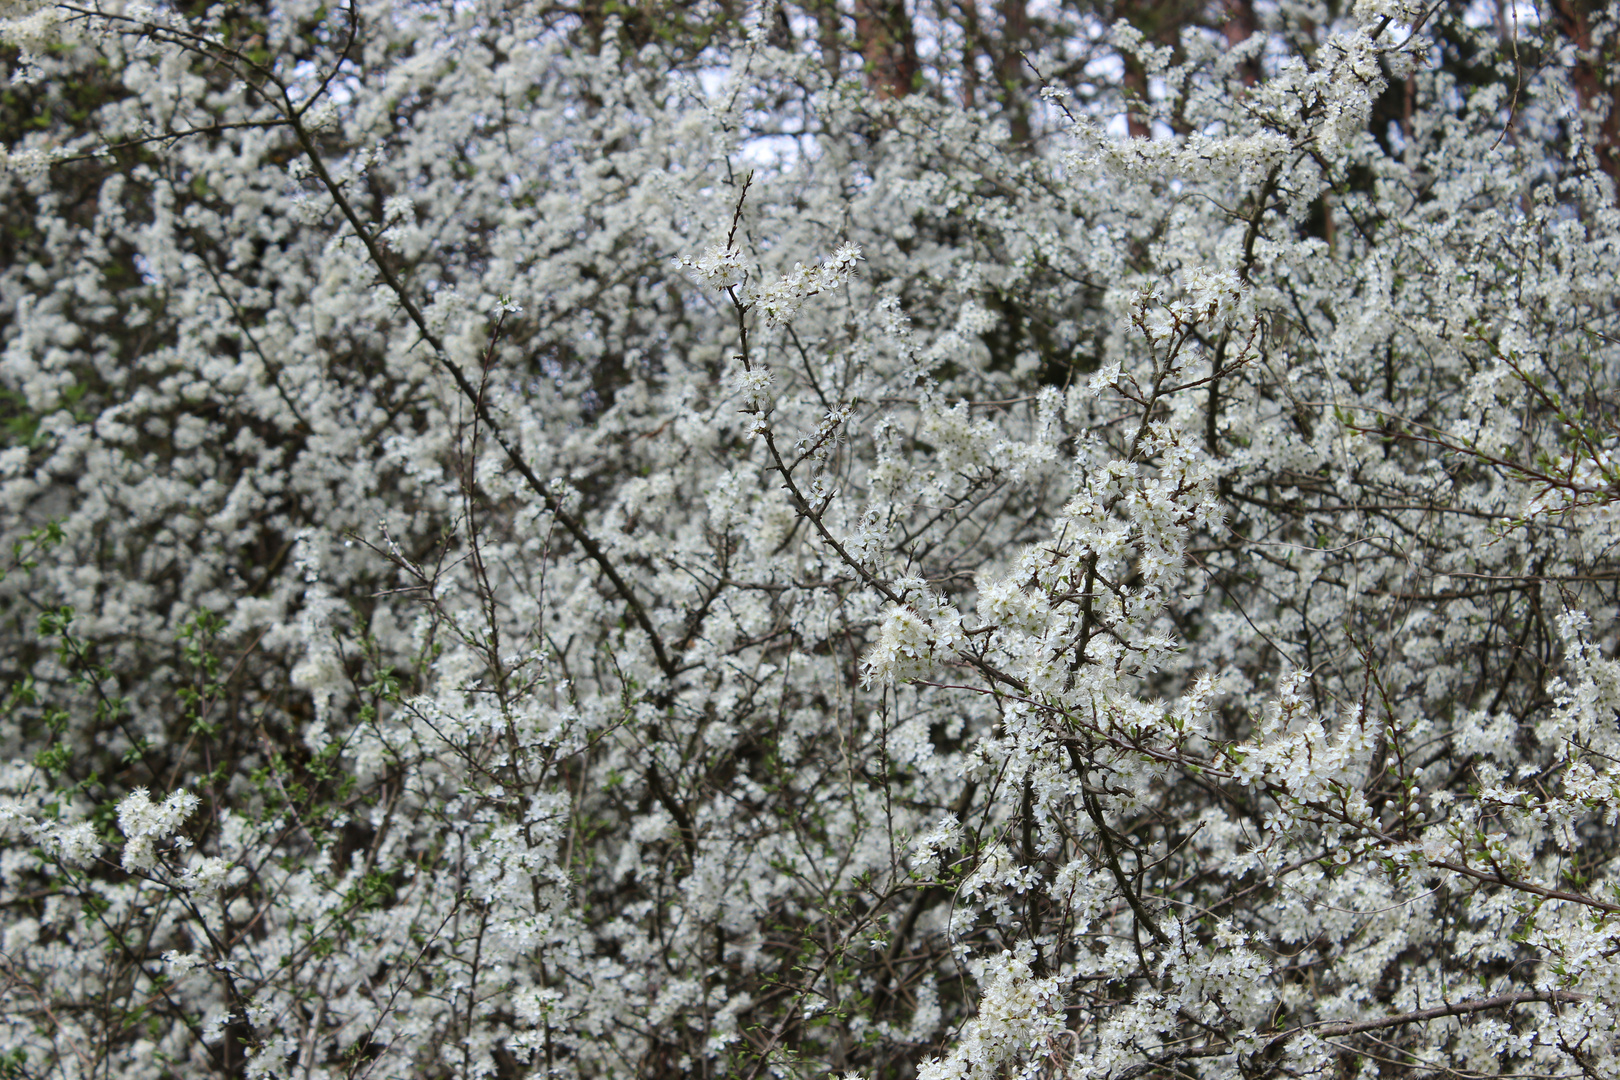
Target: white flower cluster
(30,162)
(1371,12)
(1353,80)
(915,636)
(1019,1012)
(145,823)
(1017,610)
(30,25)
(180,963)
(1213,299)
(1303,758)
(937,847)
(73,843)
(322,117)
(782,299)
(719,267)
(209,876)
(754,387)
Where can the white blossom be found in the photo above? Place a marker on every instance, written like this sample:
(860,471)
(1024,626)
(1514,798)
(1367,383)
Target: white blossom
(672,542)
(719,267)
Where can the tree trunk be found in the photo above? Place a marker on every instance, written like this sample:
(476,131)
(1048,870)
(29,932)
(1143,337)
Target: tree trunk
(1596,90)
(889,46)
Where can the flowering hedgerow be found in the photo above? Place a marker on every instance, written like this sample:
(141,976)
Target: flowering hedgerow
(620,541)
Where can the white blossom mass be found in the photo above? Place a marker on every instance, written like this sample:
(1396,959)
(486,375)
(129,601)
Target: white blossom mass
(736,540)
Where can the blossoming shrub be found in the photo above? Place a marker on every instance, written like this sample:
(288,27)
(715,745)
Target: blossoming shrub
(588,543)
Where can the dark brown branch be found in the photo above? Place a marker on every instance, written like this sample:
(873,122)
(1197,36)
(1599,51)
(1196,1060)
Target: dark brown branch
(1456,1008)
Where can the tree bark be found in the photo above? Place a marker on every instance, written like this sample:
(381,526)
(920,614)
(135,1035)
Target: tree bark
(889,46)
(1596,90)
